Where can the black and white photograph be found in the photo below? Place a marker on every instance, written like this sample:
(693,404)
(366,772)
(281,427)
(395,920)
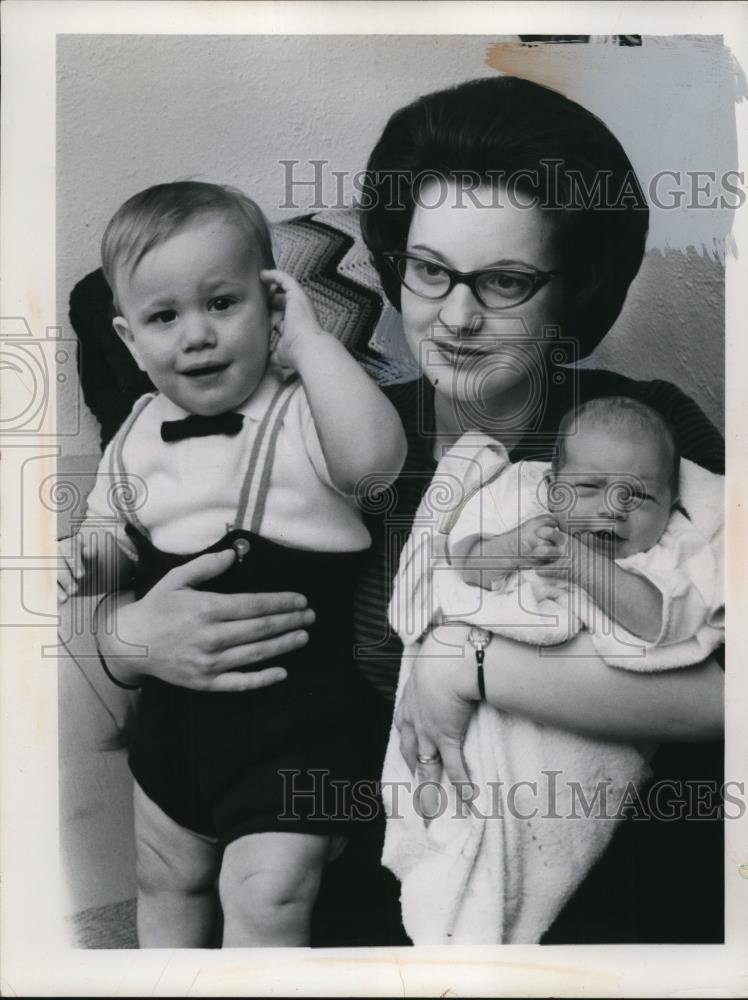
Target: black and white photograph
(372,451)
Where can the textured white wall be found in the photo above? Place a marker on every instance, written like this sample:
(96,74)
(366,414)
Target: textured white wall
(137,110)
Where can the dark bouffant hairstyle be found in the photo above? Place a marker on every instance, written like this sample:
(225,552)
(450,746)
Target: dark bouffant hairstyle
(554,150)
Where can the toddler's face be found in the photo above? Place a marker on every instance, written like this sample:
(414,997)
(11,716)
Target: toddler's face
(614,486)
(195,317)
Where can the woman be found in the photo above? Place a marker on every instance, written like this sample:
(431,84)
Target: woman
(488,177)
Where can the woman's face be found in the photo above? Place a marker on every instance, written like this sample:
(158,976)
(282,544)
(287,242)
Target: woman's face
(470,354)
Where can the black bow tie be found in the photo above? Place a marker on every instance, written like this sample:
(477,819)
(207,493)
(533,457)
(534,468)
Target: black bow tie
(196,425)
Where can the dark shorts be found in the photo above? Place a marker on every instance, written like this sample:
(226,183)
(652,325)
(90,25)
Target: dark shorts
(280,758)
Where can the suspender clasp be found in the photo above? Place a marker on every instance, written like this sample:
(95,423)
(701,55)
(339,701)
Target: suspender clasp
(241,547)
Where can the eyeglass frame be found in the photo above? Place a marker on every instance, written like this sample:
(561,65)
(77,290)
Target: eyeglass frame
(470,278)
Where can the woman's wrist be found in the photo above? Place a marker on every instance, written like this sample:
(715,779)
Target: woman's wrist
(480,639)
(115,655)
(464,674)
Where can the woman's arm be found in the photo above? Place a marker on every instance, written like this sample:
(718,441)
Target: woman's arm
(580,692)
(568,686)
(197,639)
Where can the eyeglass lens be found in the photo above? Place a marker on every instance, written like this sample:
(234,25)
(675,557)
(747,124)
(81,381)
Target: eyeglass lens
(494,287)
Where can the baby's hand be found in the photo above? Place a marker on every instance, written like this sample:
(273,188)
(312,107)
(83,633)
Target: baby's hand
(295,320)
(572,555)
(79,553)
(533,542)
(539,540)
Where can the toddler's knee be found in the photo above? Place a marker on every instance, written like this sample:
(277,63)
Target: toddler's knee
(266,898)
(157,872)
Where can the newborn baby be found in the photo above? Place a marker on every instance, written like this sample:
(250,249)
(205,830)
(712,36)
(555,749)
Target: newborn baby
(617,536)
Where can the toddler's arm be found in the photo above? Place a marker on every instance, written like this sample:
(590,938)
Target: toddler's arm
(359,429)
(93,564)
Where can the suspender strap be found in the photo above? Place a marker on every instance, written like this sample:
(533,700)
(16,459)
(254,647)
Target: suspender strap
(121,480)
(257,477)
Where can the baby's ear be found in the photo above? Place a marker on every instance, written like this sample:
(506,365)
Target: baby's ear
(549,478)
(124,332)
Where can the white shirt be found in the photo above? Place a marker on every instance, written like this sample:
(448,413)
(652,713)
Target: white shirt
(188,490)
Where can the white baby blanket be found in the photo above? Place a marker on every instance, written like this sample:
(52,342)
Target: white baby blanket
(547,800)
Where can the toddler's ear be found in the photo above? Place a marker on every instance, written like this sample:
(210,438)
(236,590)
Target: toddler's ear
(276,308)
(122,327)
(275,311)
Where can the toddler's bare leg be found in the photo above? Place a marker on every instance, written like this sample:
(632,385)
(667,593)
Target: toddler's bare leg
(177,871)
(268,886)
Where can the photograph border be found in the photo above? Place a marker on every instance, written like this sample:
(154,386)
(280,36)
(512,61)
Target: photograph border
(37,958)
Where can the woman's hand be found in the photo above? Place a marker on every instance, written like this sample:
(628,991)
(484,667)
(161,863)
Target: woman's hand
(196,639)
(435,709)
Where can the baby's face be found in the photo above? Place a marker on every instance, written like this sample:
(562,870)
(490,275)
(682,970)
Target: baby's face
(614,486)
(195,317)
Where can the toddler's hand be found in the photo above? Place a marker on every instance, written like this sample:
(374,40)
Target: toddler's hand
(297,325)
(78,553)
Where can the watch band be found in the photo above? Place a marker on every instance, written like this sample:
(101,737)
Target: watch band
(479,656)
(479,638)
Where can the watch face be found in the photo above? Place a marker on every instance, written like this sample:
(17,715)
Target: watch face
(479,637)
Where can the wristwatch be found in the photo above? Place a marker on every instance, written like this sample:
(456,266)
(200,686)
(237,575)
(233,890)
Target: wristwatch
(479,638)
